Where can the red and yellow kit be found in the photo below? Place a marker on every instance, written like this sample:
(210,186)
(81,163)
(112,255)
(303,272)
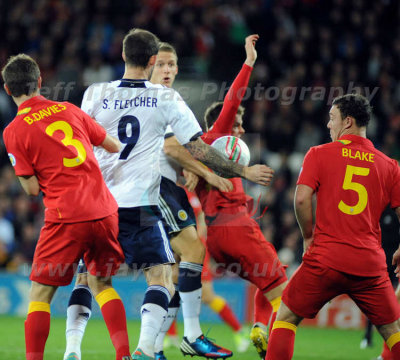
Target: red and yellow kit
(354,182)
(233,237)
(53,141)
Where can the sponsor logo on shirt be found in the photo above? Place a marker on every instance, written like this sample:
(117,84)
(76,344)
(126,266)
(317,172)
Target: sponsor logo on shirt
(42,113)
(24,111)
(12,159)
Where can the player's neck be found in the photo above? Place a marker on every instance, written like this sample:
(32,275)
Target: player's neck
(136,73)
(362,132)
(20,99)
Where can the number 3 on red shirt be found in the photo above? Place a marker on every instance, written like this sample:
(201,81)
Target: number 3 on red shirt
(68,141)
(348,184)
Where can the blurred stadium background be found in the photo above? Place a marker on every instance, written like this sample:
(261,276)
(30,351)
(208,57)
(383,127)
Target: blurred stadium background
(309,51)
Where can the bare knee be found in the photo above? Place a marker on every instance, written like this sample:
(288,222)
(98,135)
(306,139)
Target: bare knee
(388,330)
(82,279)
(42,293)
(189,246)
(161,275)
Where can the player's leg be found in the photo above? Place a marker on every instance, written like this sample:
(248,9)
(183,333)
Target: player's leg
(391,335)
(367,338)
(309,289)
(154,308)
(386,353)
(281,342)
(267,304)
(37,324)
(53,265)
(185,242)
(372,295)
(221,307)
(103,257)
(173,308)
(113,312)
(78,312)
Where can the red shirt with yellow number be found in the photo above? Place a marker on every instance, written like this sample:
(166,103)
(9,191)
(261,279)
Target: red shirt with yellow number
(53,141)
(354,182)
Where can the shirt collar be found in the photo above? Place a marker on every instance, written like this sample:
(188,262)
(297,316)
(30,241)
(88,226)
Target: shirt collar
(357,139)
(31,101)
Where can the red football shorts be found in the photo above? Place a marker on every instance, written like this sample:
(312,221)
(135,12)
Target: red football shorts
(314,284)
(61,245)
(240,246)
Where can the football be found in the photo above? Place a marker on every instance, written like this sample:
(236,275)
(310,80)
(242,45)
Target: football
(233,148)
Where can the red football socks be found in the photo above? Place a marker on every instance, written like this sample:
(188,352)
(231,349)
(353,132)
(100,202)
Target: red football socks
(262,308)
(114,316)
(173,329)
(221,307)
(37,327)
(281,342)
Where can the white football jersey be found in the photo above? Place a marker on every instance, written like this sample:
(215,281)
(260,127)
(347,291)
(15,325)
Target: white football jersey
(169,168)
(137,112)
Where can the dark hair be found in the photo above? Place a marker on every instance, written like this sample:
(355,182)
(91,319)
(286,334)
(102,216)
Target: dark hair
(356,106)
(166,47)
(21,74)
(138,46)
(213,111)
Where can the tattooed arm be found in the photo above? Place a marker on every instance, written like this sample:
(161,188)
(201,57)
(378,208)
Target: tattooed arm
(211,157)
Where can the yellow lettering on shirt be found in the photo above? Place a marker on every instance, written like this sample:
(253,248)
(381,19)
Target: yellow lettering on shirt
(43,113)
(356,154)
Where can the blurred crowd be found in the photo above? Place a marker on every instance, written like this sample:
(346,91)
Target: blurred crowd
(309,52)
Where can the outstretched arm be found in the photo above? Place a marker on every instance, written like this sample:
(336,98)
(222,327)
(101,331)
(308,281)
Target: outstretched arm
(260,174)
(173,148)
(111,144)
(304,213)
(223,125)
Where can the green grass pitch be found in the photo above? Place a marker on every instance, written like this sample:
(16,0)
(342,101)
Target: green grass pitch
(311,343)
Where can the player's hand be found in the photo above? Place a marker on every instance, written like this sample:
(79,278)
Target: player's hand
(396,262)
(220,183)
(251,53)
(259,174)
(191,180)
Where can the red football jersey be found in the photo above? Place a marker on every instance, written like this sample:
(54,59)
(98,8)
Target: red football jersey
(354,182)
(53,141)
(212,200)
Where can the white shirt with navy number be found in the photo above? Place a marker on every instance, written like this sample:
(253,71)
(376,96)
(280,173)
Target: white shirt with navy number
(137,112)
(169,168)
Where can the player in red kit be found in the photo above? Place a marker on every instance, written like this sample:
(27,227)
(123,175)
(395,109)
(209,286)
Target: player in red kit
(233,237)
(50,147)
(353,182)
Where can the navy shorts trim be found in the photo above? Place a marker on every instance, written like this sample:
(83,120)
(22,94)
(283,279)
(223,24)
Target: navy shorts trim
(175,207)
(143,238)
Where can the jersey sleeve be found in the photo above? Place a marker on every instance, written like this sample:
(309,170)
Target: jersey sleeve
(17,154)
(395,194)
(223,125)
(182,120)
(309,171)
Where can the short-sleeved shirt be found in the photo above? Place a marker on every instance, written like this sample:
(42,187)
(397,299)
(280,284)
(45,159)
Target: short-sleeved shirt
(54,141)
(354,182)
(138,113)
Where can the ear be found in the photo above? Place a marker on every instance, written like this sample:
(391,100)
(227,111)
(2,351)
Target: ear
(176,71)
(349,122)
(152,60)
(123,56)
(7,89)
(39,82)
